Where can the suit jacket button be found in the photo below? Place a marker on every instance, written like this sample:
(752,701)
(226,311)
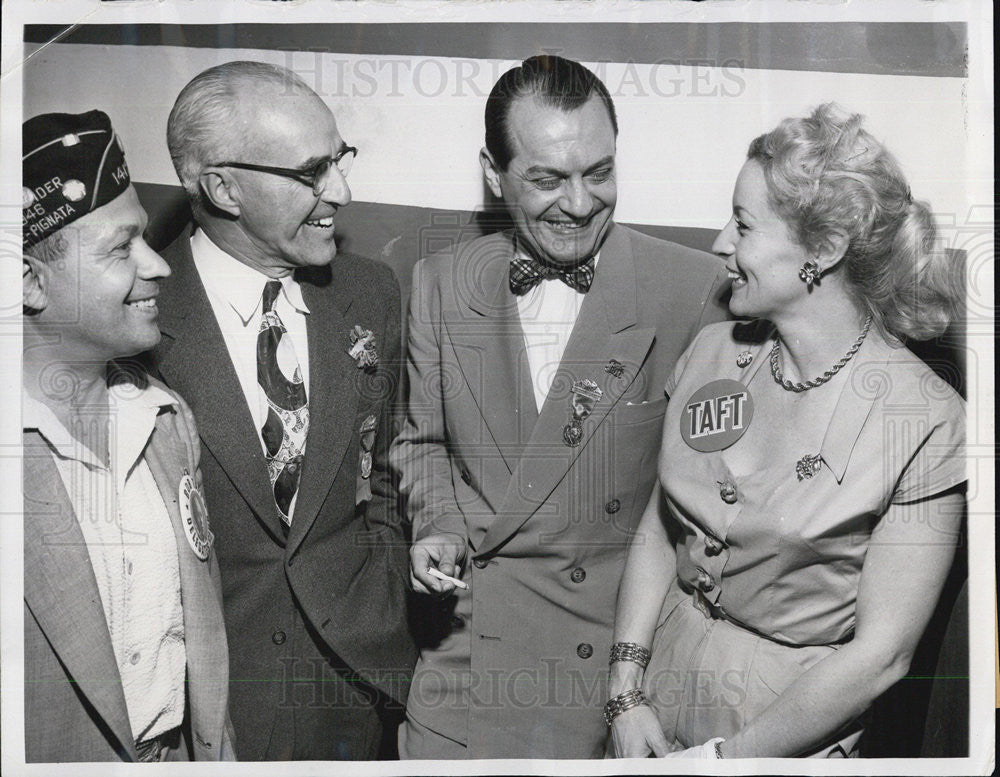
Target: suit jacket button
(585,650)
(612,507)
(713,546)
(480,563)
(457,621)
(705,581)
(278,638)
(578,575)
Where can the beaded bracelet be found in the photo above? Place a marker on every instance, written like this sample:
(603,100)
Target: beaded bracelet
(630,651)
(622,702)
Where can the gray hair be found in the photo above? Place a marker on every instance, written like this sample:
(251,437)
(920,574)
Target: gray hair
(209,103)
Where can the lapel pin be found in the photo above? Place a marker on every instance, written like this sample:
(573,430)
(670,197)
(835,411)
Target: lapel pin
(744,358)
(362,348)
(614,368)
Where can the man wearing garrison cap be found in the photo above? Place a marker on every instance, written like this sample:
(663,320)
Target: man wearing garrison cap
(125,648)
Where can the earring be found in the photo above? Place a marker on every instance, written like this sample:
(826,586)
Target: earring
(809,273)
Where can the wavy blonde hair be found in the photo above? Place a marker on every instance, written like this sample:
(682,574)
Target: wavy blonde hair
(826,174)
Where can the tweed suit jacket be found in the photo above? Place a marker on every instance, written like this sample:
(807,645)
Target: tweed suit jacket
(74,704)
(517,667)
(340,573)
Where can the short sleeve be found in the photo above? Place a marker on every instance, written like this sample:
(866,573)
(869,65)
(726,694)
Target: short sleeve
(939,463)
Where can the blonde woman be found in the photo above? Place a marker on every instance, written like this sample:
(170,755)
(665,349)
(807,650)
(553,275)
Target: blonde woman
(811,470)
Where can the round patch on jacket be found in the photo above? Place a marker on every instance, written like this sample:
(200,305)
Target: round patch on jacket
(716,415)
(194,516)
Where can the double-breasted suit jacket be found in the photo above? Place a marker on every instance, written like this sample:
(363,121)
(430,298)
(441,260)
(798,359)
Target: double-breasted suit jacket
(517,669)
(74,703)
(337,579)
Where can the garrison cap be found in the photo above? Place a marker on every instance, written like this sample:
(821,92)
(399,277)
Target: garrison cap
(72,164)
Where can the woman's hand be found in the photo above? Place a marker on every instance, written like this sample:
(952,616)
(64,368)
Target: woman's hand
(704,751)
(635,734)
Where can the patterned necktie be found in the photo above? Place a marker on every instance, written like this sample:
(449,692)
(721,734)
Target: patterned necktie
(287,423)
(525,274)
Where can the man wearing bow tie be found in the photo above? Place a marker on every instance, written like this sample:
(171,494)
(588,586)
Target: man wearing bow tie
(537,359)
(287,351)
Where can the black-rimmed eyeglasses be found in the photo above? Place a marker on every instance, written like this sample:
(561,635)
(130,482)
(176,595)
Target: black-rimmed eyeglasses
(316,176)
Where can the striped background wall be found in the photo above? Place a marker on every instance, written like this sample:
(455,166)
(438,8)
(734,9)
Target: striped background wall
(690,97)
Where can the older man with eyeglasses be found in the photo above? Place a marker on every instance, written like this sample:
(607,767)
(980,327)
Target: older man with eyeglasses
(288,354)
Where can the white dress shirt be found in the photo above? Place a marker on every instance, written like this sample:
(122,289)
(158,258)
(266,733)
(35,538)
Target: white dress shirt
(548,314)
(236,292)
(132,549)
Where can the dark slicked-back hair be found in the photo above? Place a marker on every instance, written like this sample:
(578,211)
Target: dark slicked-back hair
(557,82)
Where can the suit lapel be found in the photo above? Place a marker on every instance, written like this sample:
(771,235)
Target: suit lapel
(333,398)
(194,361)
(61,591)
(485,333)
(204,634)
(605,329)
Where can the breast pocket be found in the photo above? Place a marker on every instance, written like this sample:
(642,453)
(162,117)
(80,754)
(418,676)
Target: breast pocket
(643,413)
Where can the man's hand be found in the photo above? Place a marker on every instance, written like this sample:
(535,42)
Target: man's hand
(635,734)
(445,552)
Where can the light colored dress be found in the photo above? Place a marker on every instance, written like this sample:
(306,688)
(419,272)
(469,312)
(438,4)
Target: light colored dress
(768,564)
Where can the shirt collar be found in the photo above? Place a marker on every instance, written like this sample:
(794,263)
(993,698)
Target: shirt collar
(135,408)
(867,380)
(239,284)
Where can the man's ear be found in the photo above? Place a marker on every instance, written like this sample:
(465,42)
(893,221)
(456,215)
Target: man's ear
(220,189)
(492,173)
(831,250)
(35,281)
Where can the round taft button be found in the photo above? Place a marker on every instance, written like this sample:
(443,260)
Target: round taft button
(705,581)
(713,546)
(727,490)
(612,507)
(278,638)
(457,621)
(480,563)
(578,575)
(585,650)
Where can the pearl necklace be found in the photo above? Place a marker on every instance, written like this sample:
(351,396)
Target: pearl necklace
(787,385)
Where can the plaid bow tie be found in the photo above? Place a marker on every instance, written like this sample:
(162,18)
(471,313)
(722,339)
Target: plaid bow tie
(525,274)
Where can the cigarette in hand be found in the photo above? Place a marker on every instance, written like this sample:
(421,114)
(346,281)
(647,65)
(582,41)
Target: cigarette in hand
(434,572)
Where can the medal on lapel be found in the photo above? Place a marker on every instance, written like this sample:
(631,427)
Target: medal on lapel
(367,438)
(194,516)
(716,415)
(362,348)
(585,394)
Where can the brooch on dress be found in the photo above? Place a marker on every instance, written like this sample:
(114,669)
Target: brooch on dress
(362,348)
(808,466)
